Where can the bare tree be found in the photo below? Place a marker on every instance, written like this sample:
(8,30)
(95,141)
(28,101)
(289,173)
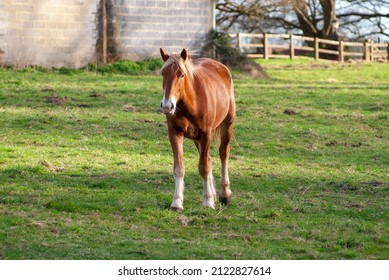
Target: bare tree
(315,18)
(364,18)
(357,18)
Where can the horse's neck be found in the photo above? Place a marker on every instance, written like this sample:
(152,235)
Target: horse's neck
(189,97)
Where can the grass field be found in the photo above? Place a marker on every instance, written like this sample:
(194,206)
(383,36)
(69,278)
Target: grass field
(86,168)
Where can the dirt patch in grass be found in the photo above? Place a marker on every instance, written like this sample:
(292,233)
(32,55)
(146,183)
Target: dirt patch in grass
(96,95)
(290,112)
(58,100)
(129,108)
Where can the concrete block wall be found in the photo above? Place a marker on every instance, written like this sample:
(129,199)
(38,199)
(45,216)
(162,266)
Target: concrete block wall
(50,33)
(55,33)
(144,26)
(2,33)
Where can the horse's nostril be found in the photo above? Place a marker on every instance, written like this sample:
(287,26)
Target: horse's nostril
(161,105)
(171,106)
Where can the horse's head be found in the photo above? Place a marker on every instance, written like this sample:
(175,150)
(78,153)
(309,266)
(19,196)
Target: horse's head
(174,72)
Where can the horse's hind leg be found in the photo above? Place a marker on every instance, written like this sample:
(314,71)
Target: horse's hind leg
(205,170)
(224,153)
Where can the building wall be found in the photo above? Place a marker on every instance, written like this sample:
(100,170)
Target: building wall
(55,33)
(172,24)
(50,33)
(2,34)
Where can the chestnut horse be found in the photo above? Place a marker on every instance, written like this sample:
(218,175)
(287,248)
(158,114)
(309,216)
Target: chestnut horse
(198,99)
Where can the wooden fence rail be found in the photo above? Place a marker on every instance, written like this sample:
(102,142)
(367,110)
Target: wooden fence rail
(291,46)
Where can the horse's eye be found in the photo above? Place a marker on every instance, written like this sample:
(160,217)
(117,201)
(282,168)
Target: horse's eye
(182,76)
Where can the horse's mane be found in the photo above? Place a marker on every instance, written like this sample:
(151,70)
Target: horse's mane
(186,65)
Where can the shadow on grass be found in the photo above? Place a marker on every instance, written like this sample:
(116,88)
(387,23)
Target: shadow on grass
(111,192)
(82,192)
(280,217)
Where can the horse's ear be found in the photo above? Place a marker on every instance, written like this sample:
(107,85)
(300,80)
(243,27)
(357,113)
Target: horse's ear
(164,55)
(184,54)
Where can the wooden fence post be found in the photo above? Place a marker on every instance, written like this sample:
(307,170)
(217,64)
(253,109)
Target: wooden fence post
(341,51)
(365,51)
(316,48)
(105,31)
(265,47)
(387,51)
(291,38)
(238,41)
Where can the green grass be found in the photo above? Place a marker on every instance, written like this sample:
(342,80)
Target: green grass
(86,168)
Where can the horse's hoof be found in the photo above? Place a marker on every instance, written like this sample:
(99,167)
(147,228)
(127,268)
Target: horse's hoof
(209,202)
(177,209)
(224,200)
(209,205)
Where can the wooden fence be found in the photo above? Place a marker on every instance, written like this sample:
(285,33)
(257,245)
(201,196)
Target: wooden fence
(291,46)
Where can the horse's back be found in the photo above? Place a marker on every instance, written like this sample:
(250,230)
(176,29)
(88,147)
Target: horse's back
(215,75)
(212,67)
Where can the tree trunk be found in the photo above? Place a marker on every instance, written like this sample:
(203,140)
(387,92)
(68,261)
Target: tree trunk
(329,16)
(308,22)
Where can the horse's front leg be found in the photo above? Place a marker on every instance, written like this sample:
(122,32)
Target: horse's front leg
(176,142)
(205,169)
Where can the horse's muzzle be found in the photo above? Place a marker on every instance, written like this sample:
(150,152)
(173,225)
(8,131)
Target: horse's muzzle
(167,107)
